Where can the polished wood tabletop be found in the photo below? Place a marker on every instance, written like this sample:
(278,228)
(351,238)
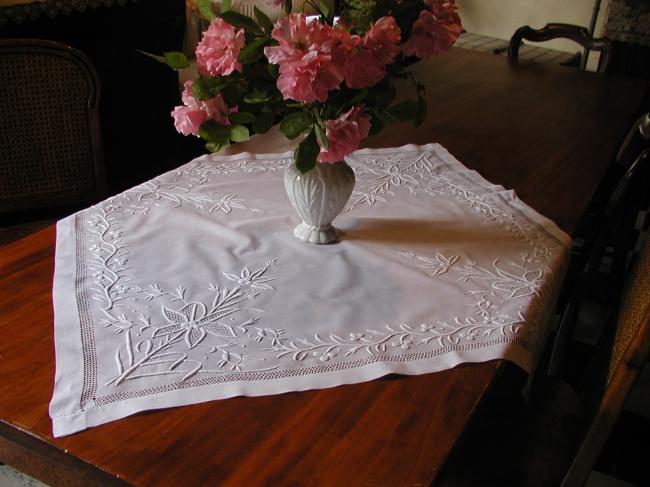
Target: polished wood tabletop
(548,132)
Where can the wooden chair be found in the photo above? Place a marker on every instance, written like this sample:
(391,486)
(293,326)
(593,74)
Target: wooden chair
(626,357)
(555,439)
(615,237)
(575,33)
(50,143)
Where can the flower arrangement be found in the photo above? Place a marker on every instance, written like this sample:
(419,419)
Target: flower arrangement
(328,77)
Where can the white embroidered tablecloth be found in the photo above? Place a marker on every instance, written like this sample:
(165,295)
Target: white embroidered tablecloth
(191,287)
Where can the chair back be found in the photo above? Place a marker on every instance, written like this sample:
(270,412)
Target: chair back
(626,357)
(615,237)
(50,143)
(562,31)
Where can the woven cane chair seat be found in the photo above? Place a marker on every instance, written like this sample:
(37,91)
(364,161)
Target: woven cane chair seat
(50,150)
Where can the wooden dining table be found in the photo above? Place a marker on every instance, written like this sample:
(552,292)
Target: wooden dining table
(548,132)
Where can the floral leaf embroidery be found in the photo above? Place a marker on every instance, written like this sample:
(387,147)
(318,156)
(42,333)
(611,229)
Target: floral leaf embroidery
(219,329)
(518,287)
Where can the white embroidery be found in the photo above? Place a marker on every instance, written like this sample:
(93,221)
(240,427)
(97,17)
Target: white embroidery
(174,342)
(229,202)
(201,169)
(403,337)
(179,337)
(439,264)
(376,178)
(174,195)
(168,343)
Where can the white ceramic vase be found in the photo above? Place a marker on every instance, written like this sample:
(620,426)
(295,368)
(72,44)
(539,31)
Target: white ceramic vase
(318,196)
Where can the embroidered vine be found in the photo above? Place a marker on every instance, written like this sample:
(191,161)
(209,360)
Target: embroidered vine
(502,285)
(402,337)
(377,178)
(200,170)
(218,330)
(182,344)
(173,195)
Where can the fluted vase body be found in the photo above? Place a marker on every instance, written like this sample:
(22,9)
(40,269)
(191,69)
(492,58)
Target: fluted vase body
(318,196)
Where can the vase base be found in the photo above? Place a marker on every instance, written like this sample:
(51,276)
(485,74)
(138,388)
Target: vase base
(316,235)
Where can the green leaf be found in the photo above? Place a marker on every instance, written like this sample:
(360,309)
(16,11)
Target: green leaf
(225,6)
(160,59)
(206,88)
(406,110)
(295,123)
(252,52)
(233,93)
(263,122)
(288,7)
(216,146)
(205,9)
(242,117)
(320,136)
(239,133)
(324,9)
(318,118)
(257,96)
(239,20)
(263,20)
(306,153)
(176,60)
(212,131)
(217,136)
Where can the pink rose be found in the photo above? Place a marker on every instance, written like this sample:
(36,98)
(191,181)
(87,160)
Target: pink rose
(308,79)
(362,69)
(216,54)
(296,36)
(217,110)
(363,61)
(383,40)
(188,118)
(187,96)
(434,32)
(445,11)
(344,135)
(307,72)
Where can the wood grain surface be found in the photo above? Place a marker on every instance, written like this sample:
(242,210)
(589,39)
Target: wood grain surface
(548,132)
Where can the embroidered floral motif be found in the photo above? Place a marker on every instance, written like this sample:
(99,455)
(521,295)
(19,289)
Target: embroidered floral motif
(180,334)
(438,264)
(229,202)
(201,169)
(377,178)
(174,195)
(398,338)
(161,353)
(504,286)
(19,12)
(516,285)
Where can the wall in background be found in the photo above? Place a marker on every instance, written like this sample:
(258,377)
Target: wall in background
(500,18)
